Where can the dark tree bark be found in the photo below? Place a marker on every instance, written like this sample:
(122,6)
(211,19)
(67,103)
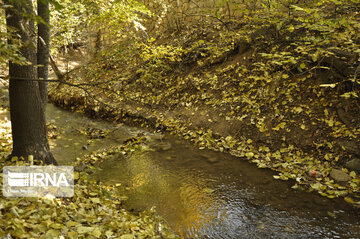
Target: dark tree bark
(26,109)
(43,46)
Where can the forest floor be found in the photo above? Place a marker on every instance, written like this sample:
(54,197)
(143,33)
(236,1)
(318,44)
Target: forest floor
(267,94)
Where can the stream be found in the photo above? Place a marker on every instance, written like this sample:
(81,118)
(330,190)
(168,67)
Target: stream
(202,193)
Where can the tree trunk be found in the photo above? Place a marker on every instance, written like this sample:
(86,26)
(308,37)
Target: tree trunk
(43,47)
(26,108)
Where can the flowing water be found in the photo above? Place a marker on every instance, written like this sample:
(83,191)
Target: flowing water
(202,193)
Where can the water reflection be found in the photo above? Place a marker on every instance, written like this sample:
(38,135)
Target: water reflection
(205,194)
(151,184)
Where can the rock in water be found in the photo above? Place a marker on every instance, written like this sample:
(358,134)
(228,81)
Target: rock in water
(339,176)
(353,164)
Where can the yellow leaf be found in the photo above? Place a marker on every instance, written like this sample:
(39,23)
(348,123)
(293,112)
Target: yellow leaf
(249,155)
(127,236)
(276,128)
(331,122)
(71,223)
(328,85)
(349,200)
(317,186)
(56,226)
(96,233)
(83,230)
(326,112)
(72,235)
(331,214)
(95,200)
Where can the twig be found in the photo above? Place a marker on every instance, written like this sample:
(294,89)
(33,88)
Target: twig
(200,15)
(58,81)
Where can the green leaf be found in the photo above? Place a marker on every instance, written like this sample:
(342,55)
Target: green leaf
(57,5)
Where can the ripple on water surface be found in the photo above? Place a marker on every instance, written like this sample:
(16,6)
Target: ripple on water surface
(206,194)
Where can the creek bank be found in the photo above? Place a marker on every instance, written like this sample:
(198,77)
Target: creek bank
(194,130)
